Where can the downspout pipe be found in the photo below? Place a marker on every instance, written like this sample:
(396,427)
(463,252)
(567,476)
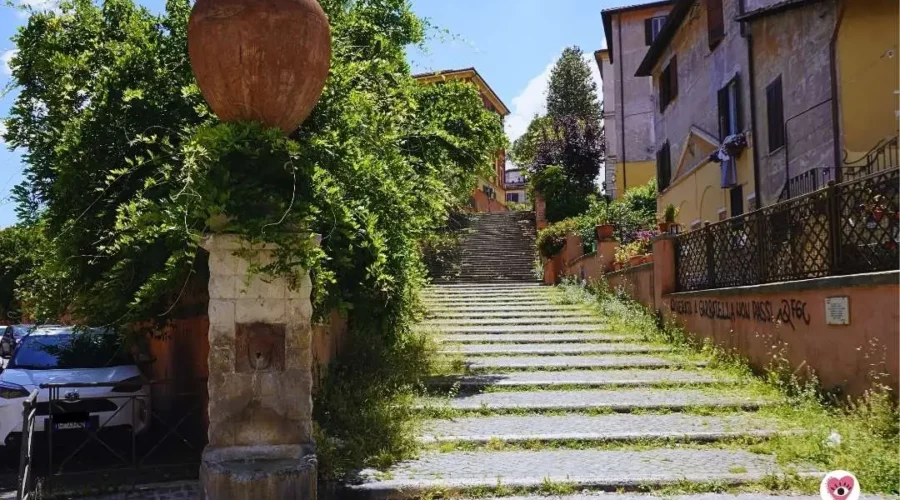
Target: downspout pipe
(747,30)
(622,106)
(835,105)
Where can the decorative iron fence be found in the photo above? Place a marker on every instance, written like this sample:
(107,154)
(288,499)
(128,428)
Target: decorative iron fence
(846,228)
(113,438)
(885,156)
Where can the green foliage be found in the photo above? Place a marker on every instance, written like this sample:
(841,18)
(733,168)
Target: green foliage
(129,169)
(572,91)
(551,240)
(20,248)
(524,149)
(634,211)
(564,198)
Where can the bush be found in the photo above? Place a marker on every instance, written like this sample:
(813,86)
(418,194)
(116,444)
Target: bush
(552,239)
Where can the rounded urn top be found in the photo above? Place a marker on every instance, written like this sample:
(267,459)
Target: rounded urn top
(260,60)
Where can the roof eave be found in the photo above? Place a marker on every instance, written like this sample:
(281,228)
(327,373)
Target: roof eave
(673,22)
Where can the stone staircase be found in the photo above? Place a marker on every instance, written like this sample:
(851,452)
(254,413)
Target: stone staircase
(498,247)
(550,397)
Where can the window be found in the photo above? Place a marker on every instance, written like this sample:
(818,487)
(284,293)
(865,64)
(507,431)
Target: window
(737,201)
(652,27)
(729,109)
(668,84)
(663,167)
(775,115)
(513,197)
(715,22)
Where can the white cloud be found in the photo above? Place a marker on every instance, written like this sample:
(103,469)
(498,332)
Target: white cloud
(6,57)
(533,99)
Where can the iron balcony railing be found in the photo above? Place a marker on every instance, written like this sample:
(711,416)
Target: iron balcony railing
(884,156)
(846,228)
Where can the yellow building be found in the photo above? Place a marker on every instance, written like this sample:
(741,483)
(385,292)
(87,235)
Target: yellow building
(810,85)
(627,107)
(490,193)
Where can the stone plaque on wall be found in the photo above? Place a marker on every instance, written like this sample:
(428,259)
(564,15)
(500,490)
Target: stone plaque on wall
(259,347)
(837,310)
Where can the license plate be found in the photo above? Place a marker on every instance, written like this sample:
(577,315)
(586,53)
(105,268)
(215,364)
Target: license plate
(71,425)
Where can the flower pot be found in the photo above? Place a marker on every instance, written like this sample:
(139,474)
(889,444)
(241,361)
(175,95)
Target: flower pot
(636,260)
(260,61)
(648,258)
(663,227)
(617,266)
(604,231)
(878,214)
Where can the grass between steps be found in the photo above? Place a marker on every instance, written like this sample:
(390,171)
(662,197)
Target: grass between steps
(861,436)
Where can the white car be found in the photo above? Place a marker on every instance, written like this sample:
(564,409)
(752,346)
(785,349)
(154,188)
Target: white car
(102,386)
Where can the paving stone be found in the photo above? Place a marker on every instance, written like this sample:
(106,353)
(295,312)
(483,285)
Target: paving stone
(584,377)
(512,428)
(532,338)
(615,400)
(551,349)
(522,328)
(585,468)
(538,362)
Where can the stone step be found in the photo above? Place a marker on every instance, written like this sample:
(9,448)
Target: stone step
(608,470)
(458,304)
(482,287)
(559,327)
(543,308)
(474,293)
(523,313)
(550,349)
(525,338)
(481,363)
(615,427)
(593,378)
(619,400)
(601,495)
(510,320)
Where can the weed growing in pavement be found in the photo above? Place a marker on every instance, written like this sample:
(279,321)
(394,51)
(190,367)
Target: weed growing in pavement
(861,436)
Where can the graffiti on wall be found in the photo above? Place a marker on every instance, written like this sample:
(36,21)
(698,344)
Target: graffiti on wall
(790,312)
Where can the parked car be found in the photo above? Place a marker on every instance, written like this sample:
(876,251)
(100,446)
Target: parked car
(101,385)
(9,338)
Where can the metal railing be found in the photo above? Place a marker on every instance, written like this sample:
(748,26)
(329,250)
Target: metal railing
(104,441)
(885,156)
(846,228)
(25,486)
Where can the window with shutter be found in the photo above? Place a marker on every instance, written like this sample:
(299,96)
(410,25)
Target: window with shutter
(715,22)
(775,115)
(668,84)
(663,167)
(729,99)
(737,201)
(652,27)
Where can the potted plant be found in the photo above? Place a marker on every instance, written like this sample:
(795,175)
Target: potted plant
(668,218)
(622,256)
(604,228)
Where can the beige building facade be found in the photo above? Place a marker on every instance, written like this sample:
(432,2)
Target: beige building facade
(628,100)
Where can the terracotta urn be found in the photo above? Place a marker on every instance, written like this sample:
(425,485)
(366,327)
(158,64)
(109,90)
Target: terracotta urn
(263,61)
(636,260)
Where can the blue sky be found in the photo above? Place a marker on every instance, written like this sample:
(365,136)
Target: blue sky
(512,43)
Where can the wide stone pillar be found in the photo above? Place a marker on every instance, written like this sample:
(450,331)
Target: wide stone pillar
(260,379)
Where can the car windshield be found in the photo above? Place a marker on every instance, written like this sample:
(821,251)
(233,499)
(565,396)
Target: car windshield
(69,350)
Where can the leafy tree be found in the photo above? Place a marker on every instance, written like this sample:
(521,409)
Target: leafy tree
(19,249)
(572,90)
(127,166)
(524,149)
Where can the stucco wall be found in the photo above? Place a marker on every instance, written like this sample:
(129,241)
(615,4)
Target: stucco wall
(636,282)
(788,320)
(794,45)
(701,73)
(868,71)
(632,97)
